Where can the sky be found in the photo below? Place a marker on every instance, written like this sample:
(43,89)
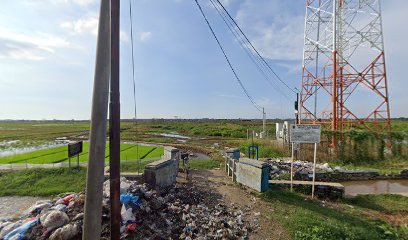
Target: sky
(47,58)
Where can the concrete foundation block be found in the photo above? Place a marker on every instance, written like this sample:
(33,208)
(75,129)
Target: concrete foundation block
(253,173)
(161,174)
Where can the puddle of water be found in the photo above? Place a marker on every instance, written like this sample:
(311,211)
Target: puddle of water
(171,135)
(354,188)
(12,151)
(10,142)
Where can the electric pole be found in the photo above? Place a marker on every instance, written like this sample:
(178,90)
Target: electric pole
(114,123)
(96,161)
(264,123)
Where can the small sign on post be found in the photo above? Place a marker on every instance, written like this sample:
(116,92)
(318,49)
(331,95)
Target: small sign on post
(74,149)
(305,133)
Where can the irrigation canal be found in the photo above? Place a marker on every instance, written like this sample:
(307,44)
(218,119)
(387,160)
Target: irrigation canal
(353,188)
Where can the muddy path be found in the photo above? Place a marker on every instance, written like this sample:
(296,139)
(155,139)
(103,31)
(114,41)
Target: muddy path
(237,197)
(15,206)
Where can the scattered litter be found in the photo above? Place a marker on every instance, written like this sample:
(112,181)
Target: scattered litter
(55,219)
(65,233)
(19,232)
(183,212)
(130,199)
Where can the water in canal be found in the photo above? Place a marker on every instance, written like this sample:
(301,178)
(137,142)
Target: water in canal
(354,188)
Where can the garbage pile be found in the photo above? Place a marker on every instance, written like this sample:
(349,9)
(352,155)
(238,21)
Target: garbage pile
(182,212)
(281,167)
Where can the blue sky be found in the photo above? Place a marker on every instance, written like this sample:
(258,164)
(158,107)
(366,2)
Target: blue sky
(47,55)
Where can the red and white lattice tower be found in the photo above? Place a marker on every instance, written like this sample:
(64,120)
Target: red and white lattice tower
(344,81)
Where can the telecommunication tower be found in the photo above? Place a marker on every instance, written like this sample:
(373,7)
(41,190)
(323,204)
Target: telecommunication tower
(344,81)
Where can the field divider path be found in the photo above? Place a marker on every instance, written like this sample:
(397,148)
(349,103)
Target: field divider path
(43,155)
(150,151)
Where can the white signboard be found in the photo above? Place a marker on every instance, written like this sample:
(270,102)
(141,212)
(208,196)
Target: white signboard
(305,133)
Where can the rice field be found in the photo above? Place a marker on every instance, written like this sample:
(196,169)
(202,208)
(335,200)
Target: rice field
(60,154)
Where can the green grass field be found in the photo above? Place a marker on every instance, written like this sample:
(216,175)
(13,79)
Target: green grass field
(363,217)
(59,154)
(42,182)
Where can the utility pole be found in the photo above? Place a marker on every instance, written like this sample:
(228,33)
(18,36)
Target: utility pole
(96,162)
(114,123)
(264,123)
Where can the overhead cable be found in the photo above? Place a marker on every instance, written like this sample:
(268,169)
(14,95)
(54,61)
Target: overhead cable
(227,59)
(254,58)
(255,50)
(133,80)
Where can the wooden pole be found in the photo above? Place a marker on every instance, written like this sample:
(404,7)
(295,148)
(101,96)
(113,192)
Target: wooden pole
(94,181)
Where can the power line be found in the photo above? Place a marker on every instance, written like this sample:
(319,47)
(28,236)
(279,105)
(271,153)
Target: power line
(227,59)
(254,58)
(133,78)
(253,47)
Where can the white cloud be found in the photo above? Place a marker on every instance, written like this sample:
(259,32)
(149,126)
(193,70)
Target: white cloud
(29,47)
(77,2)
(145,36)
(274,29)
(84,25)
(87,25)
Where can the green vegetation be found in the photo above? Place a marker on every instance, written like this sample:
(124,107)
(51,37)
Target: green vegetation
(135,166)
(308,219)
(59,154)
(266,148)
(388,203)
(206,164)
(360,149)
(42,182)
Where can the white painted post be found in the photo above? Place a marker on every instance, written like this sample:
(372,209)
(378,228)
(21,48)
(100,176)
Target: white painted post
(291,167)
(314,169)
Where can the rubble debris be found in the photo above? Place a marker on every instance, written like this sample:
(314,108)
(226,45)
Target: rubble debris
(65,233)
(185,211)
(281,167)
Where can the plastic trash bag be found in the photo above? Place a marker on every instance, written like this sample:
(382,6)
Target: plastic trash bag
(65,233)
(38,207)
(55,219)
(130,199)
(9,228)
(127,215)
(19,232)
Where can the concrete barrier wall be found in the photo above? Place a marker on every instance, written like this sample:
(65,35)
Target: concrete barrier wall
(171,153)
(253,173)
(162,173)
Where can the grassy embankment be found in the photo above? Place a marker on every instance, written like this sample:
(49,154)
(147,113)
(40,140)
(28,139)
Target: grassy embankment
(42,182)
(363,217)
(48,182)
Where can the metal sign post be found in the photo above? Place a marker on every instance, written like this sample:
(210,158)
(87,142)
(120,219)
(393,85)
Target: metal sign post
(291,167)
(314,169)
(305,133)
(74,149)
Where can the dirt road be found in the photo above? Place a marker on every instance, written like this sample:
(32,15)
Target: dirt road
(238,197)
